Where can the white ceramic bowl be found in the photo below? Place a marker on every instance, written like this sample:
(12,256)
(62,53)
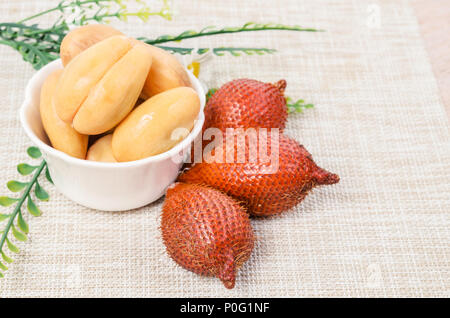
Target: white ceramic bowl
(98,185)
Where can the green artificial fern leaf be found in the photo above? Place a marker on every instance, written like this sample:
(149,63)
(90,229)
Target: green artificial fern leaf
(48,176)
(41,194)
(18,235)
(6,258)
(25,169)
(3,267)
(16,186)
(23,226)
(34,152)
(15,221)
(32,208)
(12,247)
(7,201)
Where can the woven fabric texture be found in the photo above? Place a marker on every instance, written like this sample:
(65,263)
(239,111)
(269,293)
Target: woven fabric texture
(378,122)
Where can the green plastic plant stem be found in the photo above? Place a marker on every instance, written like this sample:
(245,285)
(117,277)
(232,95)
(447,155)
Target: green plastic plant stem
(8,43)
(33,28)
(60,7)
(185,50)
(222,31)
(40,14)
(52,30)
(136,14)
(20,203)
(79,3)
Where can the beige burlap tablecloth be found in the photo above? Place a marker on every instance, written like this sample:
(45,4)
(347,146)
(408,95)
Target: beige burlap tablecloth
(378,122)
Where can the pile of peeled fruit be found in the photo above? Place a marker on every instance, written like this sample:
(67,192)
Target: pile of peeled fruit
(116,99)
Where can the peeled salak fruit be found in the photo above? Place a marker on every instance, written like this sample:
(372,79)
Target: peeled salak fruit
(165,73)
(100,86)
(156,125)
(267,186)
(206,231)
(79,39)
(101,150)
(245,103)
(84,72)
(115,94)
(61,134)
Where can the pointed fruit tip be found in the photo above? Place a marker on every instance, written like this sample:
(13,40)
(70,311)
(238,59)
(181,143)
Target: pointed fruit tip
(324,177)
(228,272)
(281,85)
(229,284)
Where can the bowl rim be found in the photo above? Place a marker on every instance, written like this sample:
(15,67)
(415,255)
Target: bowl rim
(38,77)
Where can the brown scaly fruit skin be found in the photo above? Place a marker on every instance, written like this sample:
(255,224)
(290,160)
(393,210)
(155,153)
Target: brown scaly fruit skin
(245,103)
(263,194)
(206,231)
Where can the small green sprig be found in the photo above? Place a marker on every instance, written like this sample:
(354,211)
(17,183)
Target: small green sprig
(297,106)
(15,221)
(37,46)
(40,46)
(219,51)
(145,12)
(212,30)
(101,10)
